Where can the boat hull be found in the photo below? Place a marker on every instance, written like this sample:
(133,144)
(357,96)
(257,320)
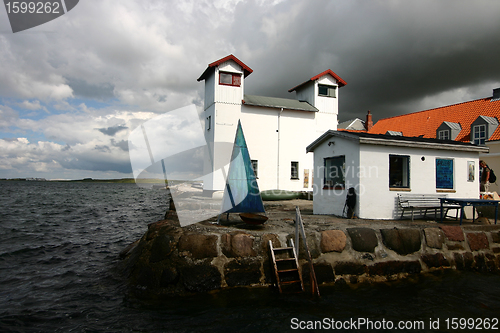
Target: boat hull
(271,195)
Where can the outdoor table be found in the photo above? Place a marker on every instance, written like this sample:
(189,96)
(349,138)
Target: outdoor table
(469,202)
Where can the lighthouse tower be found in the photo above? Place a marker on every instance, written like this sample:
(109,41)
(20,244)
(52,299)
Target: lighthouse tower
(224,91)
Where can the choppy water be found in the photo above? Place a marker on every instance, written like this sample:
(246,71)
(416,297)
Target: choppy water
(59,245)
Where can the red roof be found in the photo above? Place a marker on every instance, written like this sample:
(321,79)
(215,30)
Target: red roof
(340,82)
(425,123)
(246,70)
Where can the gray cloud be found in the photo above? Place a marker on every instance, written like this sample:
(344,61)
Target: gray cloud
(82,88)
(111,131)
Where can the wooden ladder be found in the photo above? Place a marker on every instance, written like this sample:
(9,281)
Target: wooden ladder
(286,268)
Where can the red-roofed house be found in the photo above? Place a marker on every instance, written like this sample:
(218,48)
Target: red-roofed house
(277,130)
(475,121)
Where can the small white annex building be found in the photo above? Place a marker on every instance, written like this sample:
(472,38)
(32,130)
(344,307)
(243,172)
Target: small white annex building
(277,130)
(380,167)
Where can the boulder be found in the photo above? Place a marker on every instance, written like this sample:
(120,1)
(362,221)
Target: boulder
(363,239)
(332,241)
(477,241)
(434,237)
(402,241)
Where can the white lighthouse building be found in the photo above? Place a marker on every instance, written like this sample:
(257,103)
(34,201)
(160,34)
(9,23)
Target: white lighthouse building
(277,130)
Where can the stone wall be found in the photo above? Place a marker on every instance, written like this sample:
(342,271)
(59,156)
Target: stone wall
(170,259)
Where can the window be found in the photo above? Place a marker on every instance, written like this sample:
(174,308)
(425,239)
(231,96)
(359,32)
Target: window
(328,91)
(479,134)
(230,79)
(444,173)
(208,124)
(399,171)
(255,166)
(295,170)
(444,135)
(334,172)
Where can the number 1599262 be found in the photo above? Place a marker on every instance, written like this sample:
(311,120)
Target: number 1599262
(15,7)
(472,324)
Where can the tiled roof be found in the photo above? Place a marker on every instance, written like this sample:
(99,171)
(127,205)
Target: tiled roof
(246,70)
(340,82)
(425,123)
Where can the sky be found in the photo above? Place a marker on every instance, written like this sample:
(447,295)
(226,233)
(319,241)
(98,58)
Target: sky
(72,90)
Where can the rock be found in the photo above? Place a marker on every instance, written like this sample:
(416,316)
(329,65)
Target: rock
(435,260)
(453,246)
(480,263)
(168,277)
(453,233)
(265,242)
(434,237)
(477,241)
(201,277)
(464,261)
(242,272)
(199,245)
(402,241)
(363,239)
(162,246)
(238,244)
(312,244)
(332,241)
(495,236)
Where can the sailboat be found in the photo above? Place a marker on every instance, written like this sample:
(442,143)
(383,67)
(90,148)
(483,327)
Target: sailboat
(241,192)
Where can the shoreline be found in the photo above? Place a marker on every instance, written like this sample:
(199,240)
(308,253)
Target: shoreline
(204,257)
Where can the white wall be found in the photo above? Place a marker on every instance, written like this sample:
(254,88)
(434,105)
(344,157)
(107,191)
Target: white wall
(275,150)
(367,169)
(377,201)
(229,94)
(328,201)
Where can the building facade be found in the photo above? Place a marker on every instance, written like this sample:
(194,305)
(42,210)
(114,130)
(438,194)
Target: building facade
(379,167)
(277,130)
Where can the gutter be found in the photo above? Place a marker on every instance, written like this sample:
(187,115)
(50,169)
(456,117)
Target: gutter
(432,145)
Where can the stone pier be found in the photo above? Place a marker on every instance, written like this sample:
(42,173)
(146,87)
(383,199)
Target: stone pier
(205,256)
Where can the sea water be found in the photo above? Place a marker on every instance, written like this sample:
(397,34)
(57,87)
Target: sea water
(59,247)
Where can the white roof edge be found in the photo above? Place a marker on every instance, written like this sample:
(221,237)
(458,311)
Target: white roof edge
(432,145)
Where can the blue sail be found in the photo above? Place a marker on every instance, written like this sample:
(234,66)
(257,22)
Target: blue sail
(241,193)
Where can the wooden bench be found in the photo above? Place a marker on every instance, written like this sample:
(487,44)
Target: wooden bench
(424,202)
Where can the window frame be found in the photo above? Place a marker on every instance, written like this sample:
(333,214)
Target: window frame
(329,182)
(444,134)
(255,167)
(331,91)
(294,170)
(405,172)
(480,128)
(208,123)
(235,79)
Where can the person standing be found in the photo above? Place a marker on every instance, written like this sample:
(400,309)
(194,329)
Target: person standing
(484,176)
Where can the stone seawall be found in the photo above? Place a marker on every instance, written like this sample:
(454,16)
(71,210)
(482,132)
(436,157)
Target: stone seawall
(203,257)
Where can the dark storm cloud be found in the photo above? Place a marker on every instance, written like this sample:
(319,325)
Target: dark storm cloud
(392,54)
(123,145)
(111,131)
